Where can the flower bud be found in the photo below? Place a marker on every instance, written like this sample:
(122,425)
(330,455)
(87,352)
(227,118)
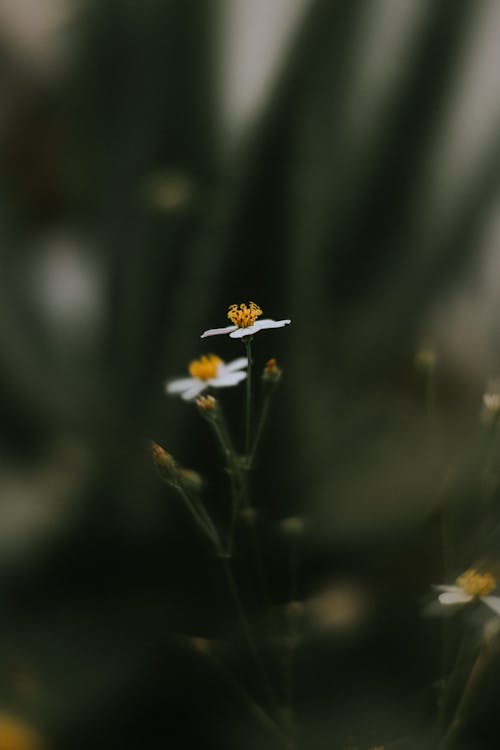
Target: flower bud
(165,464)
(272,373)
(190,480)
(207,406)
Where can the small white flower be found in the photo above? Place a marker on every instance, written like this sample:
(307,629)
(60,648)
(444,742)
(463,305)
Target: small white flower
(471,585)
(208,372)
(244,322)
(491,403)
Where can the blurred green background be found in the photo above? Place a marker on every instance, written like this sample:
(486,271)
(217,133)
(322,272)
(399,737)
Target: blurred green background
(335,161)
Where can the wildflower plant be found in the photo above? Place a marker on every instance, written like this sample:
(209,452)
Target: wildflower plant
(206,375)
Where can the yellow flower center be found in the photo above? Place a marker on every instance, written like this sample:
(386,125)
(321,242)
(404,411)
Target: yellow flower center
(475,583)
(243,316)
(206,367)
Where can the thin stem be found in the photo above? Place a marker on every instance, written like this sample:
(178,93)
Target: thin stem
(245,472)
(236,494)
(490,481)
(247,633)
(247,340)
(200,517)
(260,427)
(293,640)
(221,432)
(255,709)
(430,397)
(223,437)
(461,690)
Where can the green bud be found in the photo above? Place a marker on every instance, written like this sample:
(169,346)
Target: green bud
(272,374)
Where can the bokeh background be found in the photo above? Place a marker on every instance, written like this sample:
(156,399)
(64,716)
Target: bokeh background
(337,162)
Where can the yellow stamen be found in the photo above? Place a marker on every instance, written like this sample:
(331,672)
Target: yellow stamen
(206,367)
(244,316)
(475,583)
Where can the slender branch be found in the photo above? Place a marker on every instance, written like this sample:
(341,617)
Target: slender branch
(200,517)
(260,427)
(469,697)
(247,632)
(293,640)
(247,340)
(256,710)
(223,437)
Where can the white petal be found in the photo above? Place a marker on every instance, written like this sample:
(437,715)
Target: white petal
(240,332)
(218,331)
(231,378)
(236,364)
(268,323)
(197,387)
(493,602)
(177,386)
(260,325)
(444,587)
(455,597)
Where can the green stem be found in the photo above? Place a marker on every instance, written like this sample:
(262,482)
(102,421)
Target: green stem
(293,639)
(200,517)
(247,340)
(247,633)
(430,396)
(489,482)
(260,427)
(260,714)
(459,686)
(223,437)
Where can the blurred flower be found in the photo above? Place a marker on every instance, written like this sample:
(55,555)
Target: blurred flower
(293,527)
(208,372)
(16,735)
(339,607)
(170,191)
(425,358)
(491,402)
(471,586)
(245,323)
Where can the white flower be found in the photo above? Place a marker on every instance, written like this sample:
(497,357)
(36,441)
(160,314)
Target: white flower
(471,585)
(244,322)
(491,403)
(208,372)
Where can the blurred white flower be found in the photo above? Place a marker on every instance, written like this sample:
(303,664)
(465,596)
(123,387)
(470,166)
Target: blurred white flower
(491,402)
(244,322)
(342,606)
(470,586)
(208,372)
